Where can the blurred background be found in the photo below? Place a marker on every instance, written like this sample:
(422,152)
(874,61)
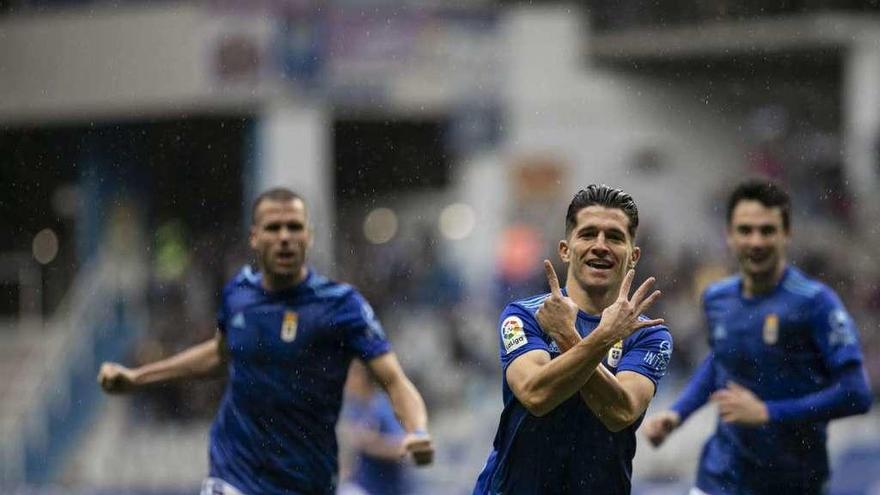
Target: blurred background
(437,144)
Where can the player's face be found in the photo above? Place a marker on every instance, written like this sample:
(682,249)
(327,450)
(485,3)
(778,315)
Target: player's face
(280,236)
(599,249)
(758,239)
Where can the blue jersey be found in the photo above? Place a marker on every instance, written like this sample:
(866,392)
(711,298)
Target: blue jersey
(377,476)
(568,450)
(289,353)
(784,345)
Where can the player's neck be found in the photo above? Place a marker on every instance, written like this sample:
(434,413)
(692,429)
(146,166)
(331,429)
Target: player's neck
(274,282)
(756,285)
(592,302)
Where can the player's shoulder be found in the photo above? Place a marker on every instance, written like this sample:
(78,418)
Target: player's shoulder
(797,284)
(329,289)
(527,306)
(726,287)
(245,278)
(653,332)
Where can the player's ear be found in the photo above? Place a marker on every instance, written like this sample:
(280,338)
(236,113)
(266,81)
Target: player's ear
(564,251)
(252,237)
(634,259)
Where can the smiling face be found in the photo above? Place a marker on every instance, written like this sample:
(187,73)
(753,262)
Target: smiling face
(280,238)
(757,236)
(599,250)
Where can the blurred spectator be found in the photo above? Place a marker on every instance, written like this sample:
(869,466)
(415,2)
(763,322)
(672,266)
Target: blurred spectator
(372,440)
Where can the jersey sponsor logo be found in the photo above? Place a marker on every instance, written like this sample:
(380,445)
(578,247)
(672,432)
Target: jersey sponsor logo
(237,321)
(513,334)
(659,360)
(842,333)
(288,326)
(614,354)
(771,329)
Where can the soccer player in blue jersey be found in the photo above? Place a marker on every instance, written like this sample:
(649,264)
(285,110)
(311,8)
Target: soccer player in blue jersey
(784,360)
(373,438)
(580,364)
(286,335)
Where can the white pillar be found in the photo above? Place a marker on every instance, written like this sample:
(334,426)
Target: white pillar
(861,129)
(293,150)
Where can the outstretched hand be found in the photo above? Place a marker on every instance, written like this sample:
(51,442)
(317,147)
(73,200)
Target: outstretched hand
(115,378)
(622,317)
(558,313)
(421,448)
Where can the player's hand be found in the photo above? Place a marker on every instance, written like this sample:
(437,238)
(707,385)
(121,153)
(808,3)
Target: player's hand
(622,317)
(421,448)
(740,406)
(558,313)
(658,426)
(116,379)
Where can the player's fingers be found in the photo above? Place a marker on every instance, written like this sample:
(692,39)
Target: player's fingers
(552,279)
(642,291)
(648,302)
(623,295)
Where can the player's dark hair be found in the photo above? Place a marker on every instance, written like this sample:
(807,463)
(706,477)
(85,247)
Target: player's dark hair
(764,191)
(602,195)
(281,194)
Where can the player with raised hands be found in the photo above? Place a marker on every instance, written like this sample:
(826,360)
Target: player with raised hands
(580,364)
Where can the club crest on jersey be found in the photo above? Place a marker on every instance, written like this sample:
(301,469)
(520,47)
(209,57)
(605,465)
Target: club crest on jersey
(615,353)
(288,326)
(771,329)
(513,335)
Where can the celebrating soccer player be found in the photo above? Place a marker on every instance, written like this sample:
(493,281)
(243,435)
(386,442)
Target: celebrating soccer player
(580,364)
(784,360)
(287,336)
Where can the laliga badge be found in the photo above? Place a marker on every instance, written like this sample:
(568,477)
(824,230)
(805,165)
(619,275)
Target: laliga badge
(513,334)
(288,326)
(615,353)
(771,329)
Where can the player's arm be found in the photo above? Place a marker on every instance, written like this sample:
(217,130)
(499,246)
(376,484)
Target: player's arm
(847,393)
(408,406)
(541,384)
(202,360)
(617,400)
(697,392)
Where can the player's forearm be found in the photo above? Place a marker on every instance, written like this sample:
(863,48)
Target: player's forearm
(603,394)
(698,390)
(202,360)
(848,395)
(409,407)
(564,376)
(609,400)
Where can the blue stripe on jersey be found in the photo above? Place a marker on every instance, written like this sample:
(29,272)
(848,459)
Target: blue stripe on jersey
(530,302)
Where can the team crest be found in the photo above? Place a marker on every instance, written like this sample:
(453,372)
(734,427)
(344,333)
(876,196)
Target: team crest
(288,326)
(771,329)
(615,353)
(513,335)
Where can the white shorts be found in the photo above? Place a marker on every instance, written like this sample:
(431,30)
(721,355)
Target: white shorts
(216,486)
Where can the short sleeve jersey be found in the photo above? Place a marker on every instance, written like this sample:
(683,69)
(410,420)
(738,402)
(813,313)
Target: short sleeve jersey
(568,450)
(289,353)
(782,345)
